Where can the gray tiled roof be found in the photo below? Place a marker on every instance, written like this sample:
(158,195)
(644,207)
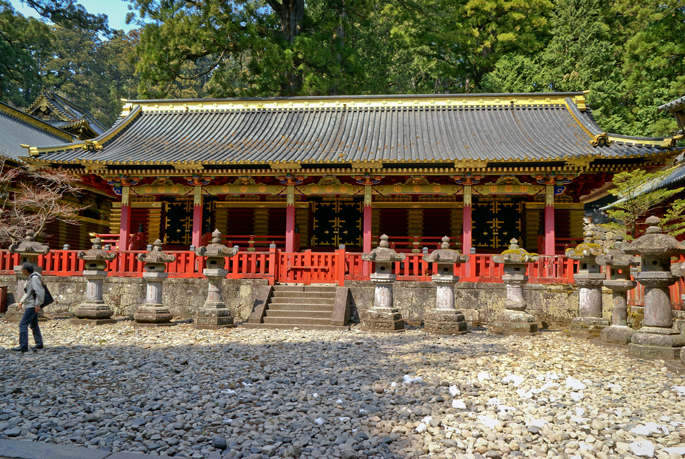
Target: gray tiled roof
(678,104)
(401,134)
(17,128)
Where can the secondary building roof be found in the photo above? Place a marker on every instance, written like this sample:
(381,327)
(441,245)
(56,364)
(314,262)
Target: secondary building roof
(357,130)
(17,128)
(59,112)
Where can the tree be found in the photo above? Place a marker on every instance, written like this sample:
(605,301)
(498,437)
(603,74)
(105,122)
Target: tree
(639,196)
(34,201)
(69,14)
(24,46)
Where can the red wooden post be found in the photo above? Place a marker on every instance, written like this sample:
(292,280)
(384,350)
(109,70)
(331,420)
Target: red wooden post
(467,225)
(341,266)
(367,235)
(549,221)
(290,228)
(273,264)
(125,230)
(197,225)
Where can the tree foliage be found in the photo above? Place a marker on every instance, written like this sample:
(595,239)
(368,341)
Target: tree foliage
(630,55)
(34,201)
(638,197)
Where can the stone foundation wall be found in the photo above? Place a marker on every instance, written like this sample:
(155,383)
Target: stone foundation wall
(124,294)
(553,304)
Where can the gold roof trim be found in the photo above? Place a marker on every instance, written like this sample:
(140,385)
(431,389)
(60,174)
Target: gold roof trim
(388,101)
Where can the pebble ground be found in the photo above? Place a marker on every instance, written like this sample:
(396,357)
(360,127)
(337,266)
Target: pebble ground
(239,393)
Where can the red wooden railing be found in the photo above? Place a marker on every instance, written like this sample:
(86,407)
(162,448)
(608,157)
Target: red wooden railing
(560,244)
(254,243)
(135,240)
(320,267)
(415,244)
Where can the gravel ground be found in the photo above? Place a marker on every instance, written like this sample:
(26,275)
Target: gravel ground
(261,393)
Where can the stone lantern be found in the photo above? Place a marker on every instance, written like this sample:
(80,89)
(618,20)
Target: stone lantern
(153,313)
(383,316)
(515,319)
(444,318)
(29,250)
(589,279)
(94,311)
(214,313)
(619,283)
(657,338)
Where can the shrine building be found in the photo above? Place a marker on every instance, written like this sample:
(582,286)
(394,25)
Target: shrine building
(317,172)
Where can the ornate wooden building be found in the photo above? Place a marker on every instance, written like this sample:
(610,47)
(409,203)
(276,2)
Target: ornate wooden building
(17,128)
(316,172)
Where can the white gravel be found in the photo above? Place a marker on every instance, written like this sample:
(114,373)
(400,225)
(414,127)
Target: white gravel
(264,393)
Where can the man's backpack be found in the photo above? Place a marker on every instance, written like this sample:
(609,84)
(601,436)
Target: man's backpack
(47,299)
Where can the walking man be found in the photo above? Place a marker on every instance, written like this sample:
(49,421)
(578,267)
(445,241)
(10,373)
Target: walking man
(34,294)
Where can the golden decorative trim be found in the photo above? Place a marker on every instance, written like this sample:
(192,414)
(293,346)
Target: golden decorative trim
(557,205)
(468,199)
(281,165)
(183,166)
(125,193)
(506,189)
(392,101)
(258,204)
(470,164)
(549,195)
(417,205)
(374,164)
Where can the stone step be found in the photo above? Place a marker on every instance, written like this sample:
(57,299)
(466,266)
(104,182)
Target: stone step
(297,321)
(290,314)
(304,288)
(300,307)
(305,294)
(301,327)
(287,300)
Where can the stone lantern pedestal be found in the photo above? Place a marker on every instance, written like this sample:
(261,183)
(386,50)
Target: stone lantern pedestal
(383,316)
(590,322)
(657,338)
(29,251)
(444,319)
(514,319)
(94,311)
(153,313)
(620,263)
(214,314)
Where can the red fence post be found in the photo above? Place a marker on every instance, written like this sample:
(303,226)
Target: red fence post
(341,266)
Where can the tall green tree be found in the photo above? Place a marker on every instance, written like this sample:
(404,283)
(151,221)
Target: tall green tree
(24,47)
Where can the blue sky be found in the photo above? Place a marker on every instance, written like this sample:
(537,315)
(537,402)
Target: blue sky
(114,9)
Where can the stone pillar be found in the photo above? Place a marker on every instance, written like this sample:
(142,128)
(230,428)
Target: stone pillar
(657,338)
(619,263)
(515,319)
(153,313)
(444,319)
(383,316)
(549,221)
(214,314)
(590,322)
(197,217)
(125,228)
(29,251)
(94,311)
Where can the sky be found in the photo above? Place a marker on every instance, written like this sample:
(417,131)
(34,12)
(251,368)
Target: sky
(115,10)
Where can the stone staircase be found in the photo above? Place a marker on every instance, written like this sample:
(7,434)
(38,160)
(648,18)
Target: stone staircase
(302,306)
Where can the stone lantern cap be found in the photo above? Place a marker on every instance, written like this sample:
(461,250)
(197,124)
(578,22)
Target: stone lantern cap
(216,249)
(654,242)
(156,255)
(96,253)
(515,255)
(586,249)
(445,255)
(617,257)
(383,253)
(29,246)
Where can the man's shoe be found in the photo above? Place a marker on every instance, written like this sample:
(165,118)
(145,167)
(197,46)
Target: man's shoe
(36,348)
(19,349)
